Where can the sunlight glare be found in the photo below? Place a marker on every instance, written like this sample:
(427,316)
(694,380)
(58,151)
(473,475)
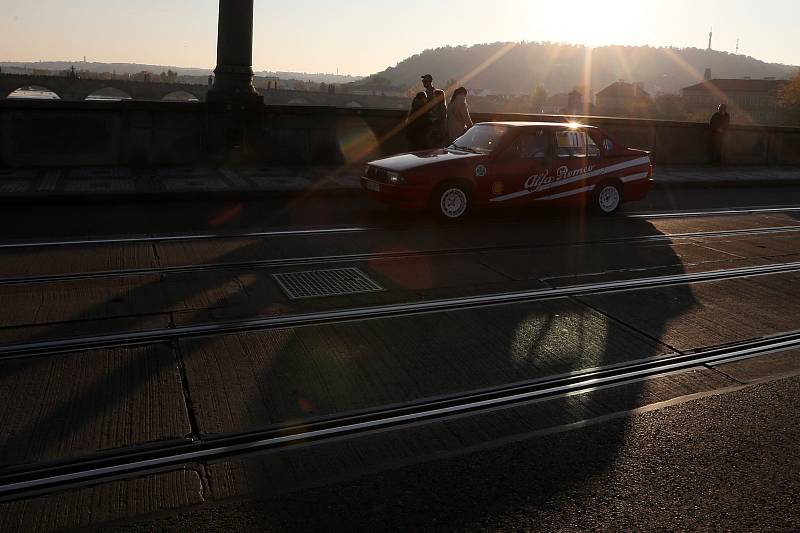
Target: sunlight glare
(594,23)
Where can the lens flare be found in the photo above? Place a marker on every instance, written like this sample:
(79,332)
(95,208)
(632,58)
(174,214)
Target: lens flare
(226,216)
(357,142)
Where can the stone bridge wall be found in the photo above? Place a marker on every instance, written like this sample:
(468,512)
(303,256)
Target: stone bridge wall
(77,89)
(43,133)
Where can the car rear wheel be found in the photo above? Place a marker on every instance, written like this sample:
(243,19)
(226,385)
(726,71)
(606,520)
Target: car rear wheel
(451,201)
(607,198)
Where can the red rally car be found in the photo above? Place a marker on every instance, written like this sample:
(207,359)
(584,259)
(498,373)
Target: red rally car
(514,163)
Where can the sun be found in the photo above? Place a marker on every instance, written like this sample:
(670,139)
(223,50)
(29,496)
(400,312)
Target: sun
(591,23)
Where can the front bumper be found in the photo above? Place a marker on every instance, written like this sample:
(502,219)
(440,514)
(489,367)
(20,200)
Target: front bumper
(395,195)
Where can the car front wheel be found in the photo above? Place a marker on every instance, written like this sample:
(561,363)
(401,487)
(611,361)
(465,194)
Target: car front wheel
(451,201)
(607,198)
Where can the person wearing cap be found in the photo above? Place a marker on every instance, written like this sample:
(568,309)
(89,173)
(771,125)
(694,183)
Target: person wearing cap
(437,113)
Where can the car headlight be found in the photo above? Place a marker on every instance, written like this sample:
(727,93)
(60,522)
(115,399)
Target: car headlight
(394,178)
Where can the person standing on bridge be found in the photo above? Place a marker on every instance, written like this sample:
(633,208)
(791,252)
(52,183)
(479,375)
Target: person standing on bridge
(458,119)
(418,126)
(437,113)
(718,126)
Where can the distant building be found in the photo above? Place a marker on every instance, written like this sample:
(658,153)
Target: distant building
(573,103)
(555,103)
(271,82)
(623,98)
(748,101)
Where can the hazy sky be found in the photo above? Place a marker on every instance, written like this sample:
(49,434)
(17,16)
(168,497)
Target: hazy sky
(365,36)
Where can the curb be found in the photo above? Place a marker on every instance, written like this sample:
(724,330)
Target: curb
(727,184)
(160,196)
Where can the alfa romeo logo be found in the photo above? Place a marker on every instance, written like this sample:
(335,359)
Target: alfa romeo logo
(480,171)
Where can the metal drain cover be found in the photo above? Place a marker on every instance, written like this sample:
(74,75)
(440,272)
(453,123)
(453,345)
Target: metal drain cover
(318,283)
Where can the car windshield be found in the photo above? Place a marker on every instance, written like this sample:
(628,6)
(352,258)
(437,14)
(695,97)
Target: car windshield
(483,138)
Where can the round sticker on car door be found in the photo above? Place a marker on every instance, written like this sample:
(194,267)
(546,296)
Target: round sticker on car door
(480,171)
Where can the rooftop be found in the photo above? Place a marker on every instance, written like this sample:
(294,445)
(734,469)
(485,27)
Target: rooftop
(624,89)
(737,85)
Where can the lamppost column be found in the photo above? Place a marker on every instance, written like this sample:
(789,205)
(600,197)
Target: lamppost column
(234,73)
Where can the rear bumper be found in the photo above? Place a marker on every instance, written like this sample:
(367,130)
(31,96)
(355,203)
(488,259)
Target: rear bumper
(637,190)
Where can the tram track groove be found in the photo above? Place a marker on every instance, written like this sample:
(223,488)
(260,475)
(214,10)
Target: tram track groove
(186,237)
(372,256)
(62,345)
(32,480)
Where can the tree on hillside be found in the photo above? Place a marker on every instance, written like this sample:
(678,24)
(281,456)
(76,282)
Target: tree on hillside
(538,99)
(669,107)
(514,68)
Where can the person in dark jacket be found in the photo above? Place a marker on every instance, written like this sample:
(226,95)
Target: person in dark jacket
(718,126)
(418,126)
(437,112)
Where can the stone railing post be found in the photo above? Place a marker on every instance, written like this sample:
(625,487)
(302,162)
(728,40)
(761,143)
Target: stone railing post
(233,77)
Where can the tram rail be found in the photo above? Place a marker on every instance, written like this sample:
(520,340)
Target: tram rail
(31,480)
(43,347)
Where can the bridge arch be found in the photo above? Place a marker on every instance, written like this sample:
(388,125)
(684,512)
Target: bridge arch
(33,92)
(108,94)
(181,95)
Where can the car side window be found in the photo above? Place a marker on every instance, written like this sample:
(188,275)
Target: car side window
(591,147)
(534,145)
(571,143)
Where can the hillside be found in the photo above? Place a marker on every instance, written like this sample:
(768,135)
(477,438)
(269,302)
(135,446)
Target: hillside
(517,68)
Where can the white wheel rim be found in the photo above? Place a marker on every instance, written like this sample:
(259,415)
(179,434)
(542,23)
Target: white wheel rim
(608,198)
(453,202)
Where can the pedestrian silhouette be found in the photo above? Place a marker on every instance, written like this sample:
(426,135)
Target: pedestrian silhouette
(458,119)
(718,126)
(437,113)
(418,126)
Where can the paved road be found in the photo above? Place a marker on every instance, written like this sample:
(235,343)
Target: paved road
(59,220)
(722,463)
(198,384)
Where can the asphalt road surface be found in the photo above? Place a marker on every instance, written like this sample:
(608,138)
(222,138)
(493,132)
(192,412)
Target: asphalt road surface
(657,351)
(722,463)
(60,220)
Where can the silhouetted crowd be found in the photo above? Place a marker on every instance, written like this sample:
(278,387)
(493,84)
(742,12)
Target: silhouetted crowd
(431,122)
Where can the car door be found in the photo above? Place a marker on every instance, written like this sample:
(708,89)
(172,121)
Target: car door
(517,166)
(572,167)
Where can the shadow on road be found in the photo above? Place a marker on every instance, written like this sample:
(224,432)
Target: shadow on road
(246,381)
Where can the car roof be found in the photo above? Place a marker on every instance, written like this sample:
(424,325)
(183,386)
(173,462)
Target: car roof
(522,124)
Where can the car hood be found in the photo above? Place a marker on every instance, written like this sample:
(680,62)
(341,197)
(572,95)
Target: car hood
(405,162)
